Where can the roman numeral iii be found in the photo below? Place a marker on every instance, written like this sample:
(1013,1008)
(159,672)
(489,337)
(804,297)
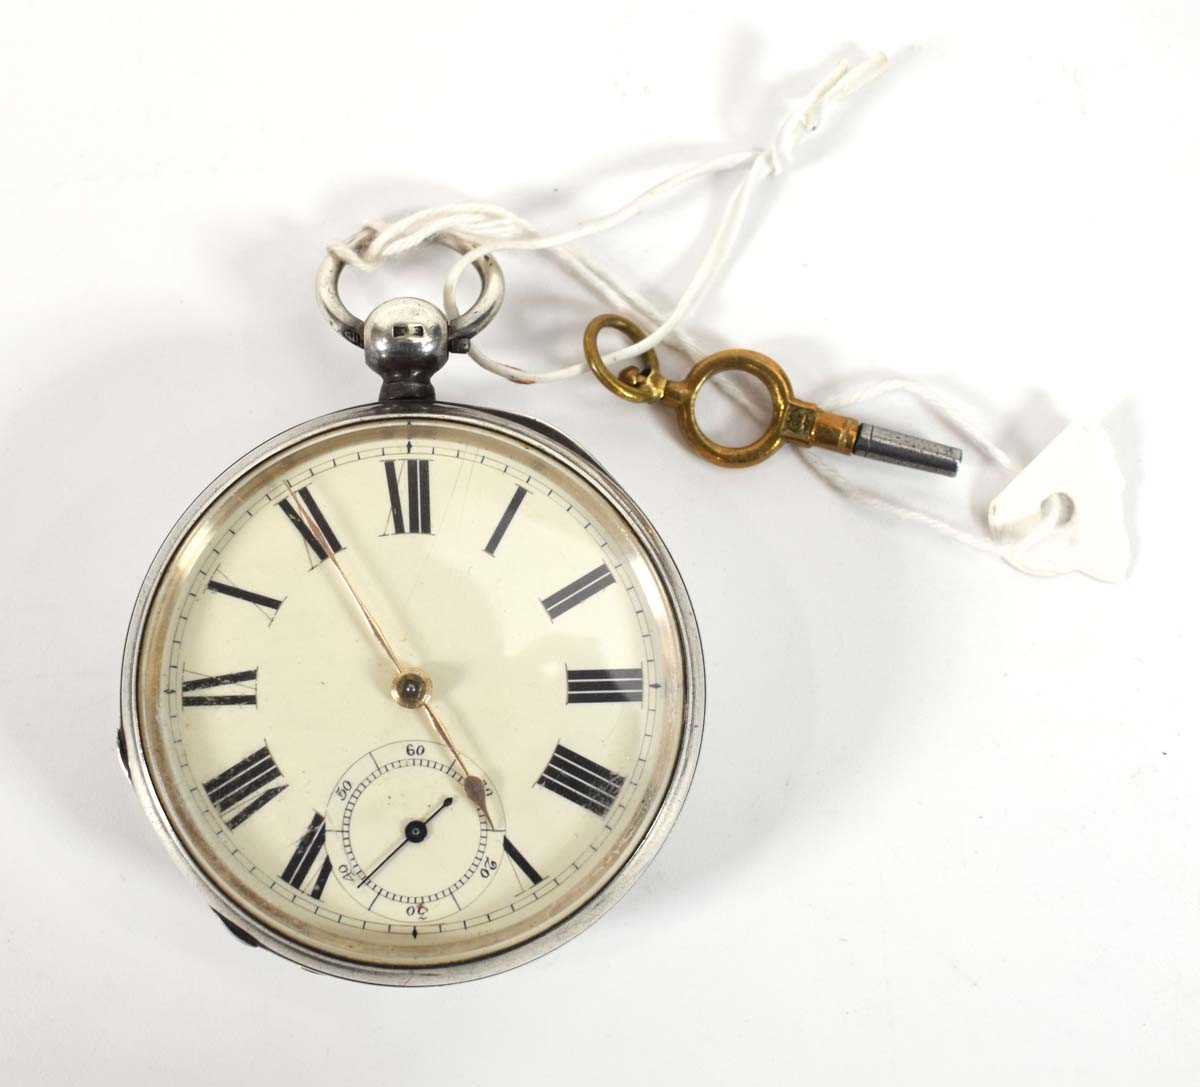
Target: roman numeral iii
(578,591)
(246,787)
(416,479)
(303,862)
(581,781)
(604,685)
(244,684)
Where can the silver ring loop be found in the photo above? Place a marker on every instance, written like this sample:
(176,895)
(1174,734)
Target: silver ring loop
(461,328)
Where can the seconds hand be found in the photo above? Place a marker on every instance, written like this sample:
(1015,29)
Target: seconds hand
(412,687)
(413,832)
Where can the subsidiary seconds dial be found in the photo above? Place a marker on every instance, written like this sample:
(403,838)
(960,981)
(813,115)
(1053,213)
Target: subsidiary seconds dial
(403,840)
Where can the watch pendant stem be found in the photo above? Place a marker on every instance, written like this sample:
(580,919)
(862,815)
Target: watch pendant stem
(406,341)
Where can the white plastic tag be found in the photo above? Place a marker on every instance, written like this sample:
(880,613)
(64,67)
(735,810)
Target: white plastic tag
(1077,477)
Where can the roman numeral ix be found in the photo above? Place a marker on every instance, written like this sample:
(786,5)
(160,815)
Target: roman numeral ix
(581,781)
(416,478)
(314,511)
(604,685)
(247,680)
(245,787)
(578,591)
(309,850)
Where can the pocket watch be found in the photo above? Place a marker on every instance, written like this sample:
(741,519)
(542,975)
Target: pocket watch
(413,692)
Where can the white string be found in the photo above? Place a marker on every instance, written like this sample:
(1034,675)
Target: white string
(492,229)
(489,228)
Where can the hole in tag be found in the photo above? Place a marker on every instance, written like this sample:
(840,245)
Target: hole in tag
(1059,507)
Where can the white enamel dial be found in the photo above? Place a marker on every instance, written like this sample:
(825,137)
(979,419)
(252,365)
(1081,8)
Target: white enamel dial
(266,689)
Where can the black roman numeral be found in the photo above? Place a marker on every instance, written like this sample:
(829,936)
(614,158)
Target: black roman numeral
(510,511)
(259,600)
(604,685)
(519,860)
(416,475)
(314,511)
(310,848)
(578,591)
(245,787)
(247,679)
(581,781)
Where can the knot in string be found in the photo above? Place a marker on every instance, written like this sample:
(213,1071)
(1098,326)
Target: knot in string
(490,228)
(804,117)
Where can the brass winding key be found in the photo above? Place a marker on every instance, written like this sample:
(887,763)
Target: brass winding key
(791,419)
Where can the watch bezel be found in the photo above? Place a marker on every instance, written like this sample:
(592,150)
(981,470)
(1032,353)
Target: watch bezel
(550,443)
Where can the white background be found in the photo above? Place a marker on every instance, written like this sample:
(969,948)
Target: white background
(945,824)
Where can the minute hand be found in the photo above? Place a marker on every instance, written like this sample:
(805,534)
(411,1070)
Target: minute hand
(412,687)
